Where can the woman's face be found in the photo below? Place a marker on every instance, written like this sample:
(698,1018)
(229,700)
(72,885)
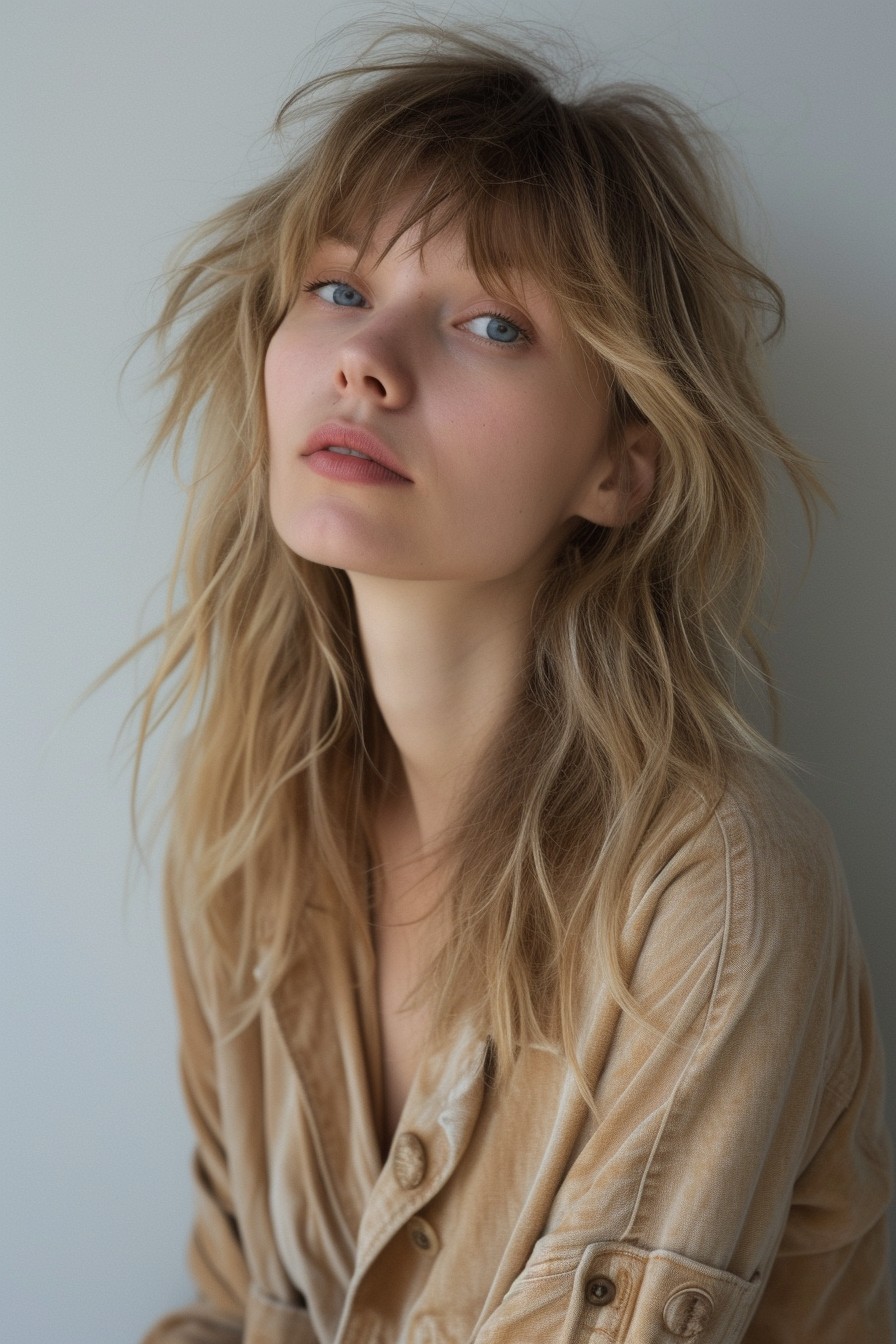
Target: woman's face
(494,418)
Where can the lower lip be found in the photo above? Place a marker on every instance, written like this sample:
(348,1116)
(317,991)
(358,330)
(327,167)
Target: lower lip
(344,467)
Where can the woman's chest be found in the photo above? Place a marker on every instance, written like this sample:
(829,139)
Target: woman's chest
(406,936)
(402,1029)
(323,1215)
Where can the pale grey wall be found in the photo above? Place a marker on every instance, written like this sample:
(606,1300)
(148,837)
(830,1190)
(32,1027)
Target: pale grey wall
(123,125)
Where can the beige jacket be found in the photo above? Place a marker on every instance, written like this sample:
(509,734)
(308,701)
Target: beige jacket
(733,1187)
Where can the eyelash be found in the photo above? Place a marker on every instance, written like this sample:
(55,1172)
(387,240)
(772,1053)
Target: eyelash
(311,287)
(511,321)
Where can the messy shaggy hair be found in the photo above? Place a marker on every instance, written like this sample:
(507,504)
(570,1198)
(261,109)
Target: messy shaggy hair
(613,200)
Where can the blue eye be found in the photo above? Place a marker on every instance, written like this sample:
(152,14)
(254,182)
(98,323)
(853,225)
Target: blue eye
(342,296)
(498,329)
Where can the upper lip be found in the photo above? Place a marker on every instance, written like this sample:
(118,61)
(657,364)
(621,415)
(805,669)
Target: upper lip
(353,436)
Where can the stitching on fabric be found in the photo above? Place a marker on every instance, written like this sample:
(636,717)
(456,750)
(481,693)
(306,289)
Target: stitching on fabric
(698,1043)
(734,1281)
(525,1278)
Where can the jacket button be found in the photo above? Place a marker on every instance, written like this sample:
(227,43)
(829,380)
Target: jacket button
(422,1236)
(688,1312)
(600,1292)
(409,1161)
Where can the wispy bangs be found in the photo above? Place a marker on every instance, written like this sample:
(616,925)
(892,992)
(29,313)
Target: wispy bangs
(495,159)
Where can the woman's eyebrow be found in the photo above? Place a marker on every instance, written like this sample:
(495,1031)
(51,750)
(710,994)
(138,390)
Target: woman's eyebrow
(344,238)
(347,237)
(351,239)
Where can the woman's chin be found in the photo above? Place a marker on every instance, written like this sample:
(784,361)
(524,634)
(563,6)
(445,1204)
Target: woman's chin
(349,554)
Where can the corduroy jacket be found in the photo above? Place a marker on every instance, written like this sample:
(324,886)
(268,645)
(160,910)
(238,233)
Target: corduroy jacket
(732,1185)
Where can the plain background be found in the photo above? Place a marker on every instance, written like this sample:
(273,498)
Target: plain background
(125,124)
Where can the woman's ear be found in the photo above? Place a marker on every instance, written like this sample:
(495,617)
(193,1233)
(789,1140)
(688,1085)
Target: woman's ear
(624,479)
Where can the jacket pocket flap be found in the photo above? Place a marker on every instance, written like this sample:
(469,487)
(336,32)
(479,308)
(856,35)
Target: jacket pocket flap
(627,1292)
(270,1321)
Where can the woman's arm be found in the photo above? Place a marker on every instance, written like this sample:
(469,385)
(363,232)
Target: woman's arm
(229,1308)
(733,1185)
(215,1254)
(830,1280)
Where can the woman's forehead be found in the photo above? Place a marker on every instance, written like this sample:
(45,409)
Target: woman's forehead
(399,229)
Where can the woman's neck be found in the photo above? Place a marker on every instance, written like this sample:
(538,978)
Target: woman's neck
(444,661)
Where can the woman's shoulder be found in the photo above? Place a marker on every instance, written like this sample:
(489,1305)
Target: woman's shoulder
(778,850)
(752,873)
(739,922)
(757,835)
(762,807)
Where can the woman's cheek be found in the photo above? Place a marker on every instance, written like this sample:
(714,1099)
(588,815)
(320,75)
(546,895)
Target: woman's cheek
(277,381)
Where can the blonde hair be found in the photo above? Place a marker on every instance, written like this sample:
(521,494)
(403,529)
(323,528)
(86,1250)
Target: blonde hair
(613,199)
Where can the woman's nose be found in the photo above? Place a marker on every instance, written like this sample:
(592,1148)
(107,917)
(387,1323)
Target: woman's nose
(374,368)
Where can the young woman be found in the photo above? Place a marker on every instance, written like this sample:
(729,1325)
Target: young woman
(520,996)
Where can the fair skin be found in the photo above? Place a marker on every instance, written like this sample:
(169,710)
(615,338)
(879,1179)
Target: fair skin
(500,425)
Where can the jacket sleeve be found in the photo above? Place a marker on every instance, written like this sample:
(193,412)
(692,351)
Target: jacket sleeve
(215,1254)
(733,1184)
(830,1279)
